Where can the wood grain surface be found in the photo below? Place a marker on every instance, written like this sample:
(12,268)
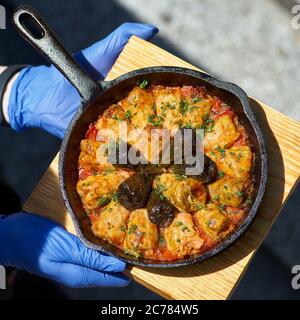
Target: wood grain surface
(217,277)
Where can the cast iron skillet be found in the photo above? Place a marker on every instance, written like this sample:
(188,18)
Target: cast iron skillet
(97,96)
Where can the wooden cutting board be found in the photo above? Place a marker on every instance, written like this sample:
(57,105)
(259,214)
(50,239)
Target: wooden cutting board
(217,277)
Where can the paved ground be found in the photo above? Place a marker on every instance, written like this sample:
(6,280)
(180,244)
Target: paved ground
(250,43)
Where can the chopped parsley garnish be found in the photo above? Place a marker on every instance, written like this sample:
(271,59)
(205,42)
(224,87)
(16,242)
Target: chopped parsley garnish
(86,184)
(103,201)
(115,117)
(248,201)
(239,156)
(196,99)
(160,188)
(163,110)
(180,177)
(216,197)
(194,108)
(240,194)
(161,240)
(155,120)
(221,174)
(222,151)
(208,125)
(199,206)
(179,223)
(222,207)
(128,114)
(183,228)
(211,223)
(161,196)
(187,125)
(143,84)
(122,228)
(114,197)
(171,106)
(132,229)
(159,191)
(183,107)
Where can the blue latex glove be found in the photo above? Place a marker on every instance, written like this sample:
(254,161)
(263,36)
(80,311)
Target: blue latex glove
(41,246)
(41,97)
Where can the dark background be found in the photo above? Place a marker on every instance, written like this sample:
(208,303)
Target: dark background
(25,156)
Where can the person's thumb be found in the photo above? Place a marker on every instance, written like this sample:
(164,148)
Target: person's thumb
(99,58)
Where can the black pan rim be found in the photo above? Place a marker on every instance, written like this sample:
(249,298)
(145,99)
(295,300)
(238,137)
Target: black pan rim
(227,86)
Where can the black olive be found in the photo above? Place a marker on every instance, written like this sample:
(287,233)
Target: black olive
(208,174)
(133,193)
(160,210)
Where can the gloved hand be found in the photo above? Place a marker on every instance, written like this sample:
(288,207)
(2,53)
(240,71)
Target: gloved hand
(41,97)
(41,246)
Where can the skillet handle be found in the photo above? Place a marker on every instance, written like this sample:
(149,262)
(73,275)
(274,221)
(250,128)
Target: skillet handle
(35,30)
